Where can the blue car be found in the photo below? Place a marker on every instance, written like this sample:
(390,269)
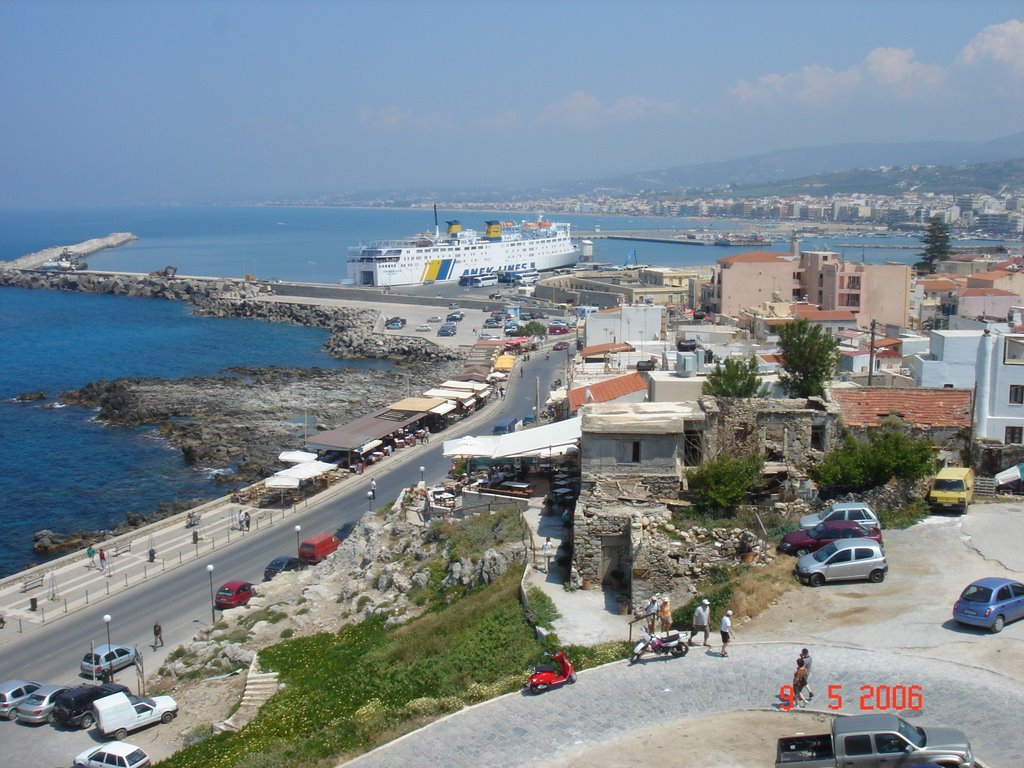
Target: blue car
(990,603)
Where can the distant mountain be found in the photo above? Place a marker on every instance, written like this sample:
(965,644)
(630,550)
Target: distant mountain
(802,162)
(974,178)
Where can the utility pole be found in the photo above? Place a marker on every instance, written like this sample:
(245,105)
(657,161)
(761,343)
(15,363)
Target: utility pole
(536,410)
(871,354)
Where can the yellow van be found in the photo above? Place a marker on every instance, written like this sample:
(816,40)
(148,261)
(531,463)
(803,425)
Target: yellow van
(952,489)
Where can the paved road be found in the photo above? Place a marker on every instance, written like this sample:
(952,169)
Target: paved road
(610,702)
(180,597)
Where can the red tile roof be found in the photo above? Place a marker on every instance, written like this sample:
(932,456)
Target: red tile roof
(609,389)
(985,292)
(754,256)
(602,349)
(990,276)
(921,408)
(942,284)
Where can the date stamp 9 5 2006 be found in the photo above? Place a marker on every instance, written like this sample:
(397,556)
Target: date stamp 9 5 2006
(871,698)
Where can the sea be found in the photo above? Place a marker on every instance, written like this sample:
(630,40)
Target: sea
(62,470)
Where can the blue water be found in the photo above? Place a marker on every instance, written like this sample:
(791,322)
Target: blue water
(61,470)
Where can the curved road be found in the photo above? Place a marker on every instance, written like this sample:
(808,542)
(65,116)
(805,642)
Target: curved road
(180,598)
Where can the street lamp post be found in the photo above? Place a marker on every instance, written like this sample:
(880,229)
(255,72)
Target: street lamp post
(298,530)
(213,602)
(422,470)
(369,501)
(110,665)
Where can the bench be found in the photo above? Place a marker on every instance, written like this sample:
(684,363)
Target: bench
(31,582)
(122,546)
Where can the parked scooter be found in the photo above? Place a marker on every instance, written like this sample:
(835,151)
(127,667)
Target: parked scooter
(545,677)
(674,643)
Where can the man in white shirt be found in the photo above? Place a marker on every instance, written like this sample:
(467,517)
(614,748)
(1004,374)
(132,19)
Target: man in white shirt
(726,630)
(702,622)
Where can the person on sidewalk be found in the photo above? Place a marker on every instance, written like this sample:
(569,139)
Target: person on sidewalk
(651,613)
(91,554)
(702,622)
(241,520)
(373,489)
(103,560)
(158,635)
(547,550)
(806,656)
(665,612)
(726,630)
(247,520)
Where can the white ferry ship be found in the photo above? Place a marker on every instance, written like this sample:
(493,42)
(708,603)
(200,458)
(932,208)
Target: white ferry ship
(463,254)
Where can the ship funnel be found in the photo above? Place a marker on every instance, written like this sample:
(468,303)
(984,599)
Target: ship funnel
(454,227)
(493,230)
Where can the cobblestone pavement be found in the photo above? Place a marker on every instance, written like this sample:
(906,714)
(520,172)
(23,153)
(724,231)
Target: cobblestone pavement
(613,701)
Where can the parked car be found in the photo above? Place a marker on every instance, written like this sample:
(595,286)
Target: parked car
(116,754)
(233,594)
(446,330)
(38,706)
(107,658)
(279,564)
(73,708)
(434,319)
(801,542)
(318,546)
(844,560)
(555,329)
(454,317)
(990,603)
(391,325)
(12,693)
(423,328)
(489,336)
(848,510)
(512,330)
(400,321)
(118,714)
(560,346)
(492,322)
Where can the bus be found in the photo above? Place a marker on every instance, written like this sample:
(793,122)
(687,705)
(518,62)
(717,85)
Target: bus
(484,280)
(526,278)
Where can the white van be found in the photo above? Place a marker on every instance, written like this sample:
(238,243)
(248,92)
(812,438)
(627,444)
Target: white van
(118,714)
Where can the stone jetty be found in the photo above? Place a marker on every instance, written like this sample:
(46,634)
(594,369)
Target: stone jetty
(79,250)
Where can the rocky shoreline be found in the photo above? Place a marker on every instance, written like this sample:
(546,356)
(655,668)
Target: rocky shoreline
(239,420)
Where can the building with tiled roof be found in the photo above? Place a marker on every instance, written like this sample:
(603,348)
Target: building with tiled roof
(938,412)
(599,350)
(631,388)
(986,302)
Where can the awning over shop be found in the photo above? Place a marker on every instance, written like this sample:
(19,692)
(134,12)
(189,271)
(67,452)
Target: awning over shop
(470,385)
(416,404)
(358,433)
(442,409)
(462,395)
(296,457)
(505,363)
(548,440)
(306,470)
(366,447)
(281,482)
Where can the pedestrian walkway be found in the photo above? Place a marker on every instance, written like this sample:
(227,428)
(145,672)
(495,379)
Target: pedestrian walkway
(618,700)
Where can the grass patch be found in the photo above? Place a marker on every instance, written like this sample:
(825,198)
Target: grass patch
(747,591)
(348,692)
(287,632)
(269,615)
(542,607)
(471,536)
(905,517)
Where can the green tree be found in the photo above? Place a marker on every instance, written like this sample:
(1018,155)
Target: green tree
(534,328)
(888,452)
(936,245)
(719,485)
(810,356)
(734,378)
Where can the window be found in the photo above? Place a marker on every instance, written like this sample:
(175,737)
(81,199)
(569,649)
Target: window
(627,452)
(841,557)
(1013,352)
(1003,594)
(889,743)
(818,438)
(858,745)
(1017,394)
(1014,436)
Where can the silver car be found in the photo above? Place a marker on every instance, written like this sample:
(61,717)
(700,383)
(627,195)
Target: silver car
(38,707)
(107,659)
(12,692)
(858,511)
(844,560)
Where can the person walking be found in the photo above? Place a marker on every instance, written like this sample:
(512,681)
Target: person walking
(800,682)
(665,611)
(702,622)
(547,550)
(103,560)
(248,520)
(726,630)
(158,635)
(91,554)
(651,613)
(373,489)
(805,655)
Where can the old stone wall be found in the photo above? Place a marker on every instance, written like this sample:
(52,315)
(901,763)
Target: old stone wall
(792,431)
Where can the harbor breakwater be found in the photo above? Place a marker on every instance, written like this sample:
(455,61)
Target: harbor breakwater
(354,331)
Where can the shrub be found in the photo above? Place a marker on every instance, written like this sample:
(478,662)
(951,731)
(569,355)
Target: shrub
(860,464)
(721,484)
(542,608)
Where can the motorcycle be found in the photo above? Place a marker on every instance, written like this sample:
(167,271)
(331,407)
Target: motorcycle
(545,677)
(675,643)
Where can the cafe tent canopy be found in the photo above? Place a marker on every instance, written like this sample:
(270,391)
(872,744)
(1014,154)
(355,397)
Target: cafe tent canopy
(358,433)
(548,440)
(296,457)
(505,363)
(281,482)
(306,470)
(472,386)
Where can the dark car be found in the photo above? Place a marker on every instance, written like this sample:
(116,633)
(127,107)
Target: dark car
(990,603)
(282,563)
(73,708)
(557,328)
(454,317)
(492,322)
(233,594)
(399,321)
(800,543)
(560,346)
(446,330)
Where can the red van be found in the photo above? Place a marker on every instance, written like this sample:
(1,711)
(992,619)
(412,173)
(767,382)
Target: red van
(316,548)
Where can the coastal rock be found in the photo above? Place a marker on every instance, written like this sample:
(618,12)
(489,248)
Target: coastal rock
(29,397)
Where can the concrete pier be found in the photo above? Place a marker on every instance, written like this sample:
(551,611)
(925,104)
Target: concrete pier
(79,250)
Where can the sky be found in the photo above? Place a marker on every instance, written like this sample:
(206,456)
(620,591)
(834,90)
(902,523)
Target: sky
(106,102)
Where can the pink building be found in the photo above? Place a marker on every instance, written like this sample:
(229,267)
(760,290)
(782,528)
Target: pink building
(986,302)
(751,279)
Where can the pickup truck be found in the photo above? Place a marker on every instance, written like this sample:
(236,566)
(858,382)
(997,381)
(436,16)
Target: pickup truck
(876,741)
